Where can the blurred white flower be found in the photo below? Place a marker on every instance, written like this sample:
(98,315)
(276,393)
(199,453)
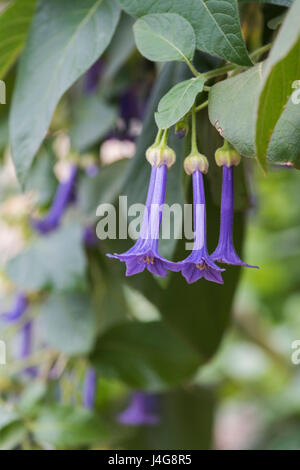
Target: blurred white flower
(113,150)
(11,242)
(62,145)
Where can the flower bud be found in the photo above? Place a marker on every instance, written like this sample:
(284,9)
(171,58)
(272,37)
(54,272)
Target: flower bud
(196,162)
(161,155)
(227,156)
(181,129)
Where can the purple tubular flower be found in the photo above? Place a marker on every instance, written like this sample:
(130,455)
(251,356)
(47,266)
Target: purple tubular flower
(92,77)
(92,170)
(89,237)
(18,309)
(141,410)
(144,254)
(25,346)
(225,252)
(63,197)
(199,263)
(89,389)
(26,340)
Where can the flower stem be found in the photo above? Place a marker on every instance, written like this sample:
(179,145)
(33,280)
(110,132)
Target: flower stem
(220,71)
(158,137)
(201,106)
(194,135)
(192,68)
(164,138)
(256,54)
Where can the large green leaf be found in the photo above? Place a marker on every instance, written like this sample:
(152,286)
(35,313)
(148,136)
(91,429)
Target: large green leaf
(14,25)
(101,189)
(200,312)
(216,23)
(185,422)
(12,430)
(145,356)
(65,427)
(232,110)
(284,145)
(56,260)
(282,68)
(65,39)
(165,37)
(177,102)
(93,118)
(119,49)
(67,323)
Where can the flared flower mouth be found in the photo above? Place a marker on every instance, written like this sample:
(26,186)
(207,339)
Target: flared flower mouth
(137,262)
(198,266)
(225,252)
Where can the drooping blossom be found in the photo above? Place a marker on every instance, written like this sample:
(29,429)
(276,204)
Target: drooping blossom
(63,197)
(225,251)
(17,310)
(144,254)
(199,263)
(89,388)
(142,410)
(89,236)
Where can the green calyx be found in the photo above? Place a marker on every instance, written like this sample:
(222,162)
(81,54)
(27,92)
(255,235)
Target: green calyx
(160,153)
(196,162)
(227,156)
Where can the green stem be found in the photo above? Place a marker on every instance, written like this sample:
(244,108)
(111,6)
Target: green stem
(194,134)
(256,54)
(201,106)
(158,137)
(192,68)
(164,138)
(220,71)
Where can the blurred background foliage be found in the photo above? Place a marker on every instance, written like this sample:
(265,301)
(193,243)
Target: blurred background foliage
(214,386)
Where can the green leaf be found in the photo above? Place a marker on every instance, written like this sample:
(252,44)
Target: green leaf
(185,422)
(284,145)
(65,39)
(32,396)
(145,356)
(102,188)
(14,25)
(200,312)
(12,430)
(165,37)
(177,102)
(120,48)
(56,260)
(67,323)
(284,3)
(93,118)
(232,109)
(281,69)
(216,23)
(42,179)
(65,427)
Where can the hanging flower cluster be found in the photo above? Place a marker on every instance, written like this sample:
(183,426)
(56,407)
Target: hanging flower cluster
(199,264)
